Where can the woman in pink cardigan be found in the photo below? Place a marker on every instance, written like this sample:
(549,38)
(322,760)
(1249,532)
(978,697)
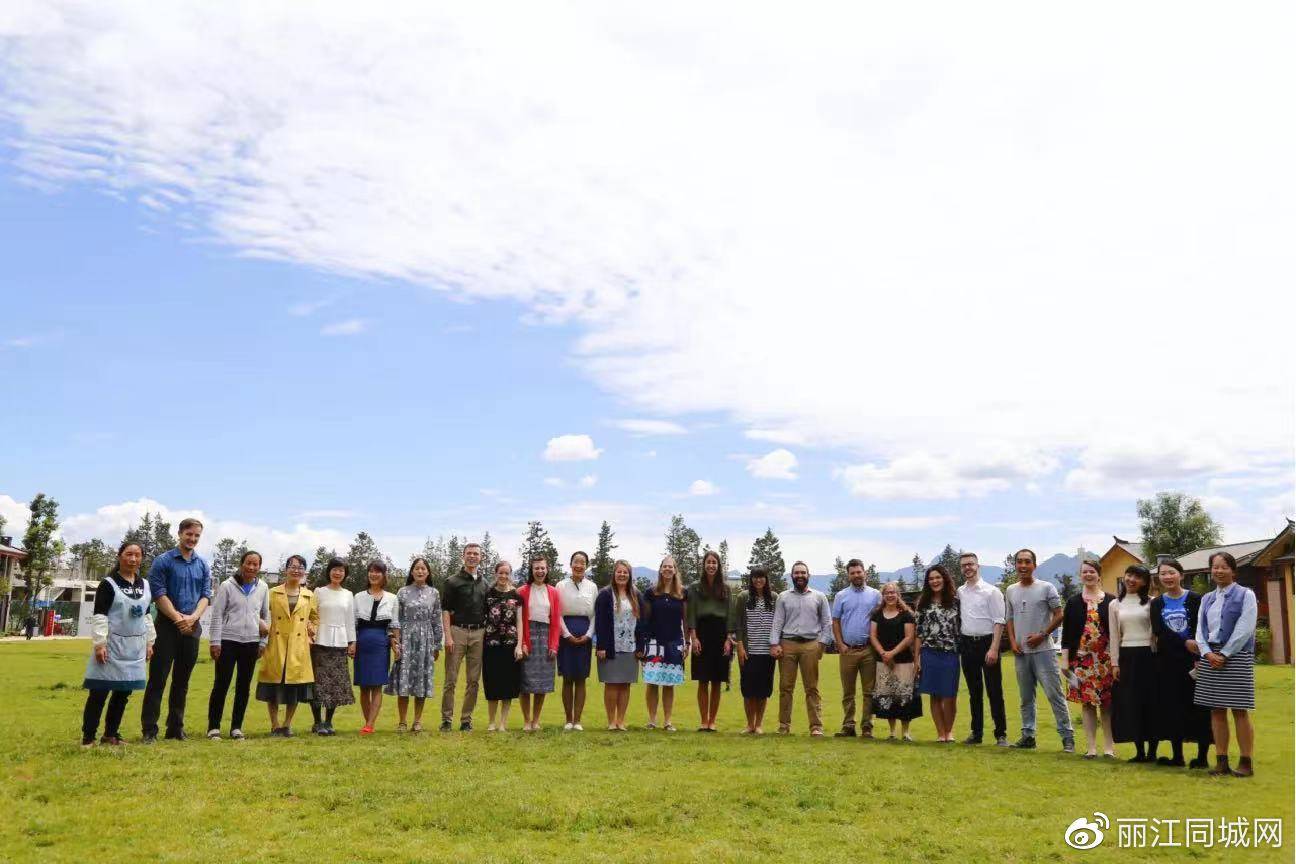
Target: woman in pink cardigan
(541,631)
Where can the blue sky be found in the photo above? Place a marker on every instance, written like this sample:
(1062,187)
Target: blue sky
(922,311)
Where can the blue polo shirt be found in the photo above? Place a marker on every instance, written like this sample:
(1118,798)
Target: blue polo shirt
(185,582)
(853,607)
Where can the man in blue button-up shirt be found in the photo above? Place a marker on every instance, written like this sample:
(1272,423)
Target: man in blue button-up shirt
(852,614)
(180,582)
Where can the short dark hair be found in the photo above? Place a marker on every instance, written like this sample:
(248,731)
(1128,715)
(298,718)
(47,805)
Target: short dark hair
(572,559)
(291,558)
(1172,562)
(126,544)
(1142,572)
(1228,559)
(243,560)
(188,522)
(1030,552)
(334,562)
(855,562)
(767,593)
(377,564)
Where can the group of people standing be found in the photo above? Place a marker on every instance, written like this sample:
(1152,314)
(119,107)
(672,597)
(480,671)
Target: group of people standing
(1148,669)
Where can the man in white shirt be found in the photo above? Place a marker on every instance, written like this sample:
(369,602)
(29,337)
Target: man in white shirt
(981,622)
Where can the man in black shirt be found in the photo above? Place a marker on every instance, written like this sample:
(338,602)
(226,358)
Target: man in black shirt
(463,618)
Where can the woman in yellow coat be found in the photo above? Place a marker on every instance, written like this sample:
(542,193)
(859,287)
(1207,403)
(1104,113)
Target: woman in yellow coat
(286,675)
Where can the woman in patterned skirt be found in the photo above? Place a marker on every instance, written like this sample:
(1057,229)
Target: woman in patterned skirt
(333,645)
(936,639)
(501,648)
(661,641)
(1225,640)
(892,636)
(616,614)
(540,632)
(418,639)
(751,634)
(1085,637)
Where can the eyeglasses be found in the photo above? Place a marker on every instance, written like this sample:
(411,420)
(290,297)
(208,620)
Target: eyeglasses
(295,568)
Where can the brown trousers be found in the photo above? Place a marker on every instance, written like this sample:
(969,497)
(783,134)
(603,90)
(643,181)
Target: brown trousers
(803,656)
(470,644)
(857,663)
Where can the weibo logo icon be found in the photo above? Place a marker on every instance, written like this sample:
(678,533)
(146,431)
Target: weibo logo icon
(1087,834)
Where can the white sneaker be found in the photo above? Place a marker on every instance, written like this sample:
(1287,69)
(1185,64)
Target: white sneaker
(576,727)
(567,727)
(236,734)
(213,734)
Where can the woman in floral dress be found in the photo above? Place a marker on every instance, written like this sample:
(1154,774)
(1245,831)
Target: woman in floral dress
(936,644)
(418,638)
(1085,635)
(502,653)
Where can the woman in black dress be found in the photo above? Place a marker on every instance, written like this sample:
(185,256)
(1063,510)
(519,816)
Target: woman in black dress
(501,652)
(892,634)
(1174,623)
(710,620)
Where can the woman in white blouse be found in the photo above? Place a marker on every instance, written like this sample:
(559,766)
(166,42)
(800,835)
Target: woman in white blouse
(1226,625)
(375,611)
(1134,692)
(335,642)
(578,593)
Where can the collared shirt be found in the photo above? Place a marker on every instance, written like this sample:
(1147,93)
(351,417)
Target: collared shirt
(802,613)
(465,599)
(981,607)
(853,607)
(578,601)
(1208,625)
(185,582)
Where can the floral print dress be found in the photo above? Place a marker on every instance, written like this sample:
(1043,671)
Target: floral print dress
(1091,663)
(418,615)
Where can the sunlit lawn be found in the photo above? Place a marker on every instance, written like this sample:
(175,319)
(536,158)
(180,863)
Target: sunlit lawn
(596,796)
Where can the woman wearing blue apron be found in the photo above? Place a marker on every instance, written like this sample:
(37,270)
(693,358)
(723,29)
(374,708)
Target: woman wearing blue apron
(121,631)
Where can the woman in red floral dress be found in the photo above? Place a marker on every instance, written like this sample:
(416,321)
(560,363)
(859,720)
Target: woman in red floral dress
(1089,669)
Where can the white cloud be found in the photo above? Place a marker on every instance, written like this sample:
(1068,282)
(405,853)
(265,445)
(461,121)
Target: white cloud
(349,327)
(307,515)
(644,427)
(923,475)
(570,448)
(702,487)
(588,481)
(962,172)
(309,307)
(16,515)
(777,464)
(555,482)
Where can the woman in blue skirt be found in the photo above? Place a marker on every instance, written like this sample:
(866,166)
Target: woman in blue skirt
(375,609)
(122,634)
(577,593)
(937,638)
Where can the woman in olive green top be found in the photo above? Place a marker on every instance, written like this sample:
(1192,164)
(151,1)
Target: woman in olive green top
(710,621)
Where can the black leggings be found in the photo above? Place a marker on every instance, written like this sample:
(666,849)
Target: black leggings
(240,655)
(94,707)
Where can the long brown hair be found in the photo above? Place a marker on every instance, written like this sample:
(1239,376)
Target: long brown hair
(632,593)
(947,588)
(718,588)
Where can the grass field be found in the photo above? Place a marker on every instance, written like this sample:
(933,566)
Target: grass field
(597,796)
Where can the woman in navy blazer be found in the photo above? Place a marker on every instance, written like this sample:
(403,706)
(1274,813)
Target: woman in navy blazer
(616,618)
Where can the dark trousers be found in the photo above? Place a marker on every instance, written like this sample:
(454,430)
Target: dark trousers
(94,707)
(972,651)
(174,654)
(240,655)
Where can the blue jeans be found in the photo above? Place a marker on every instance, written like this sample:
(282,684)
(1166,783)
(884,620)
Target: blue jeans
(1041,667)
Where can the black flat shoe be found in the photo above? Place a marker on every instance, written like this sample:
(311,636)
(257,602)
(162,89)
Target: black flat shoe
(1170,763)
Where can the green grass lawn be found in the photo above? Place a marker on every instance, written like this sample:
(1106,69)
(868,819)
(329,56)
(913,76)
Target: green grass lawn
(597,796)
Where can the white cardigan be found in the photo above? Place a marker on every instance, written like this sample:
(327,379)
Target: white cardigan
(336,617)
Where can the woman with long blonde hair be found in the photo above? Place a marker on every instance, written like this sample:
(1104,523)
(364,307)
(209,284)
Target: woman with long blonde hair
(663,609)
(616,618)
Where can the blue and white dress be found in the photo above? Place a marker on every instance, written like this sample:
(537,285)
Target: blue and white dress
(661,637)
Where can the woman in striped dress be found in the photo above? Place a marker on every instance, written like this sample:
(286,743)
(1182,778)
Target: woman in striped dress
(752,636)
(541,628)
(1226,671)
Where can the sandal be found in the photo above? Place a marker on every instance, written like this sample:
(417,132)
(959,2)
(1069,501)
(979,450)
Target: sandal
(417,727)
(401,727)
(669,727)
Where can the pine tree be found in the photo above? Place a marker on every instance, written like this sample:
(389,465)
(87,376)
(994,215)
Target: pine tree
(537,543)
(684,545)
(489,556)
(223,563)
(871,577)
(949,560)
(602,566)
(153,536)
(363,550)
(765,553)
(318,564)
(918,568)
(723,552)
(94,556)
(840,579)
(1010,573)
(434,552)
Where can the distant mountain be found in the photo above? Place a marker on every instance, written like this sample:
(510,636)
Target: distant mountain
(1050,569)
